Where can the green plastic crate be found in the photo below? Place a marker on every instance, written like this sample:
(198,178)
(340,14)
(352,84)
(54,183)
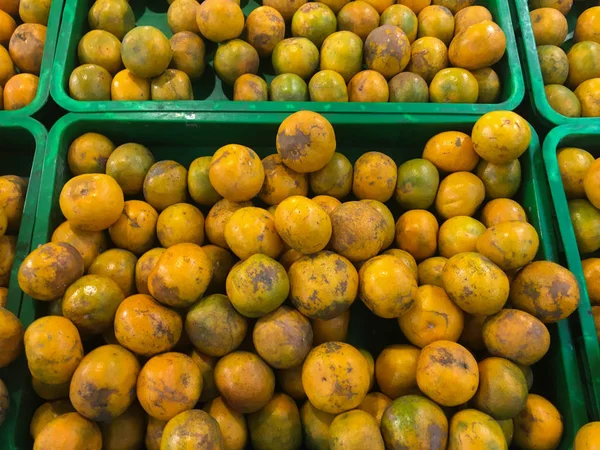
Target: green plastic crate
(43,92)
(211,95)
(531,65)
(184,137)
(588,138)
(22,150)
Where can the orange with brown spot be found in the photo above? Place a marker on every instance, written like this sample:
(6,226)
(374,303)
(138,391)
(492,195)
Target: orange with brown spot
(281,182)
(190,428)
(430,271)
(180,223)
(335,179)
(416,232)
(165,184)
(459,234)
(89,244)
(118,265)
(236,172)
(135,230)
(374,177)
(146,327)
(11,337)
(355,427)
(103,385)
(451,151)
(206,364)
(538,425)
(502,210)
(510,245)
(89,153)
(144,266)
(251,231)
(217,218)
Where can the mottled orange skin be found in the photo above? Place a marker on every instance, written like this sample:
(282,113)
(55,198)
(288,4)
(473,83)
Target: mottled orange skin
(276,425)
(201,191)
(368,86)
(430,271)
(328,203)
(144,267)
(500,180)
(91,302)
(26,47)
(128,164)
(549,26)
(231,423)
(387,50)
(313,297)
(290,382)
(591,272)
(564,101)
(539,425)
(387,286)
(335,329)
(355,427)
(19,91)
(206,364)
(587,437)
(451,151)
(546,290)
(502,210)
(453,85)
(69,431)
(374,177)
(480,45)
(169,384)
(302,224)
(165,184)
(12,197)
(315,426)
(280,181)
(265,28)
(235,58)
(251,231)
(214,327)
(181,16)
(180,223)
(416,232)
(90,82)
(11,337)
(283,338)
(146,51)
(554,64)
(171,85)
(328,384)
(342,52)
(474,429)
(53,349)
(429,55)
(89,153)
(470,15)
(126,86)
(517,336)
(102,387)
(403,17)
(101,48)
(359,17)
(46,413)
(190,428)
(436,21)
(146,327)
(250,88)
(510,245)
(395,370)
(116,17)
(501,136)
(459,234)
(335,179)
(586,220)
(89,244)
(91,202)
(181,275)
(432,317)
(119,265)
(218,217)
(245,381)
(475,283)
(135,230)
(236,173)
(8,246)
(188,51)
(459,194)
(447,373)
(257,286)
(502,391)
(47,271)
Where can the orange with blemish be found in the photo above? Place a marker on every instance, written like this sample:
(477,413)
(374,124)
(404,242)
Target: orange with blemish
(47,272)
(390,231)
(470,15)
(250,88)
(328,383)
(447,373)
(135,230)
(126,431)
(181,275)
(430,271)
(165,184)
(355,427)
(335,179)
(91,303)
(374,177)
(146,327)
(500,136)
(189,428)
(201,191)
(459,194)
(368,86)
(314,297)
(387,50)
(8,246)
(451,151)
(546,290)
(591,272)
(118,265)
(436,21)
(281,182)
(214,327)
(12,197)
(264,29)
(20,91)
(231,423)
(102,48)
(342,52)
(245,381)
(429,55)
(359,17)
(573,164)
(46,413)
(459,234)
(302,224)
(375,404)
(502,210)
(92,202)
(206,364)
(144,266)
(470,428)
(222,262)
(539,425)
(588,437)
(396,370)
(432,317)
(89,153)
(472,335)
(169,384)
(26,47)
(217,218)
(220,21)
(11,337)
(236,172)
(180,223)
(102,387)
(416,232)
(53,349)
(251,231)
(69,431)
(315,426)
(510,245)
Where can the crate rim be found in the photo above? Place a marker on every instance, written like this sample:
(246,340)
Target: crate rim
(61,97)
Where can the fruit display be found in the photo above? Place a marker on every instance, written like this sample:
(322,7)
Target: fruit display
(568,58)
(23,26)
(211,300)
(444,51)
